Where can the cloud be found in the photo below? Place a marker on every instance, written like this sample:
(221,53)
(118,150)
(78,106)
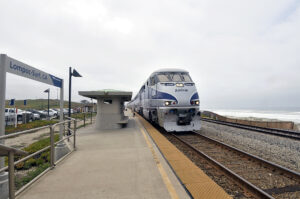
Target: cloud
(239,53)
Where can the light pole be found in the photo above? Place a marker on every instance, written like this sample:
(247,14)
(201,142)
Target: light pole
(75,74)
(48,91)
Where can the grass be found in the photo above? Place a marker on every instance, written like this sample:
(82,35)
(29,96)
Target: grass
(31,125)
(34,147)
(20,182)
(35,165)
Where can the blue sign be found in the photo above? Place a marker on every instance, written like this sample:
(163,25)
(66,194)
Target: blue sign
(12,102)
(25,102)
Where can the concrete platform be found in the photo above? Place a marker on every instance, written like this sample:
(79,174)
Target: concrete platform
(122,163)
(195,180)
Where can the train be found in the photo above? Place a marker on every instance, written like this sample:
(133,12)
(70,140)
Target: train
(170,99)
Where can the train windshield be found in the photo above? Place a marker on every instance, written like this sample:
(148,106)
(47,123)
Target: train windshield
(173,77)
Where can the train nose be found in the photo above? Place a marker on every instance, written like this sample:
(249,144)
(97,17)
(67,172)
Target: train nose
(184,98)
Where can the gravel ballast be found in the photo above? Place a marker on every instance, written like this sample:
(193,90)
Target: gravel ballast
(283,151)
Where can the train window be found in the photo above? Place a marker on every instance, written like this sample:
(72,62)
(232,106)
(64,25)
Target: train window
(107,101)
(163,78)
(175,77)
(186,77)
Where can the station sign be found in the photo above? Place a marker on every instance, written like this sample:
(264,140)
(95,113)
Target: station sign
(18,68)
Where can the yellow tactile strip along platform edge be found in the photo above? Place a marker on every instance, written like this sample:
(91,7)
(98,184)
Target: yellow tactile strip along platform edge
(198,184)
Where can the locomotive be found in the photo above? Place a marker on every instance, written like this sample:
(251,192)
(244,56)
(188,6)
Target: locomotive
(170,99)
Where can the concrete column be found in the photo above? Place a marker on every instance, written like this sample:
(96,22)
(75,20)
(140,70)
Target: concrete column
(108,115)
(3,175)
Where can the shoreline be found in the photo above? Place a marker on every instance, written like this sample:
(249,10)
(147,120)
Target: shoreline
(250,116)
(258,119)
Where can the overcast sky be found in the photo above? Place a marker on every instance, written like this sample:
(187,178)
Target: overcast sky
(240,53)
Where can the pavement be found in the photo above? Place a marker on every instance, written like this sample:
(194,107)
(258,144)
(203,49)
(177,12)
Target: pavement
(122,163)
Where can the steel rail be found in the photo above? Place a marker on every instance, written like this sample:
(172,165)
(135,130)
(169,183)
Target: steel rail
(278,132)
(269,163)
(259,193)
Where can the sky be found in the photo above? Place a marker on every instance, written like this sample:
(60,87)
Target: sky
(240,54)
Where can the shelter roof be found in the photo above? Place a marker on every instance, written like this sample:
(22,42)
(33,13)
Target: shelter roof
(106,93)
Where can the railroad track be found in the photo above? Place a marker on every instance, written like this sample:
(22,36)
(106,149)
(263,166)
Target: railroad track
(278,132)
(261,178)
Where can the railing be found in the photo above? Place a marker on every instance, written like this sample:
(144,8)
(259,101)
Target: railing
(41,161)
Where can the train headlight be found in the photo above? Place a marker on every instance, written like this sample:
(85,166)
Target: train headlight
(195,102)
(179,84)
(168,103)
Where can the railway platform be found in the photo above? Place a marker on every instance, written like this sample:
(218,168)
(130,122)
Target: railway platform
(132,162)
(122,163)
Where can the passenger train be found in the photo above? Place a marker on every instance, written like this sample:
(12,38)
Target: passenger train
(169,98)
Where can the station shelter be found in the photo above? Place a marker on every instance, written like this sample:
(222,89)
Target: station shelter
(110,107)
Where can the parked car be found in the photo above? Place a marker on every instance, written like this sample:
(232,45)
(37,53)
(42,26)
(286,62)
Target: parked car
(37,114)
(9,116)
(21,114)
(54,112)
(66,111)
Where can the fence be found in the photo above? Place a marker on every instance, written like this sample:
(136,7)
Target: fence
(31,167)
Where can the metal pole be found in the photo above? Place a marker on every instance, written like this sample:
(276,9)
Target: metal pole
(84,119)
(48,103)
(92,111)
(16,116)
(3,63)
(75,126)
(25,114)
(70,87)
(52,147)
(61,114)
(11,174)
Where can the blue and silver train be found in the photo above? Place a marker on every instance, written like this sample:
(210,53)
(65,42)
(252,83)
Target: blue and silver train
(169,98)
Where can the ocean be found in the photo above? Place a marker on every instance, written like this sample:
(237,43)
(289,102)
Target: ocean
(284,115)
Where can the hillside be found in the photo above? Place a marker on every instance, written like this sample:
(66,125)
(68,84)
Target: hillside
(40,104)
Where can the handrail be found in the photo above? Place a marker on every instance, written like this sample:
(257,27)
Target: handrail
(63,122)
(11,152)
(23,132)
(26,158)
(12,163)
(70,118)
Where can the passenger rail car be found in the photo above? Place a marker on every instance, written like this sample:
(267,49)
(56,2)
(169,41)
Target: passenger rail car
(169,98)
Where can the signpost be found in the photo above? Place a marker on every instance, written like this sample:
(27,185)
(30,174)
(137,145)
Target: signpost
(10,65)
